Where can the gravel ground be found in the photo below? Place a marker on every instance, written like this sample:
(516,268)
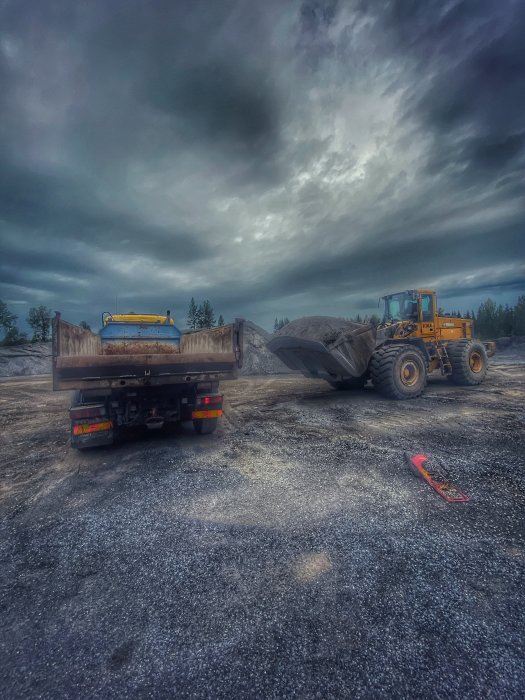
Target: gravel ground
(291,554)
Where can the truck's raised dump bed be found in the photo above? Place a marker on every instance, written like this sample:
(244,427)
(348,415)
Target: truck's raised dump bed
(80,362)
(324,347)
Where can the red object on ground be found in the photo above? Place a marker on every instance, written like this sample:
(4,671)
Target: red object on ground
(445,489)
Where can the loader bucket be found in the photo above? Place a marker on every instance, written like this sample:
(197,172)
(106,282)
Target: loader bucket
(342,349)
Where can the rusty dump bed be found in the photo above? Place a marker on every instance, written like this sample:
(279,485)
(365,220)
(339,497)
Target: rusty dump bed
(80,363)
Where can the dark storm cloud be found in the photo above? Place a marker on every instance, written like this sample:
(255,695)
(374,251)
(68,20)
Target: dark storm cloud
(277,158)
(467,64)
(382,264)
(219,102)
(60,209)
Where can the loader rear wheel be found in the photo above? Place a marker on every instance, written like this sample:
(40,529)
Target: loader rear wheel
(398,371)
(205,426)
(469,362)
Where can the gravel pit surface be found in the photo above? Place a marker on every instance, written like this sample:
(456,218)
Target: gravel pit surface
(290,554)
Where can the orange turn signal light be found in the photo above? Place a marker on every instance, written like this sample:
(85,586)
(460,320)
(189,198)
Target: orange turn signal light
(83,428)
(214,413)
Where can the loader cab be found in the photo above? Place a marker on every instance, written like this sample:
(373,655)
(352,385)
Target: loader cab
(401,307)
(416,305)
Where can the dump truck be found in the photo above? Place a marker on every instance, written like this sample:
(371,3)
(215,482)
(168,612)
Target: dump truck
(412,341)
(141,370)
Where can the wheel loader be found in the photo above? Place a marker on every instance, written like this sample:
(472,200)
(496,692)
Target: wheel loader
(412,341)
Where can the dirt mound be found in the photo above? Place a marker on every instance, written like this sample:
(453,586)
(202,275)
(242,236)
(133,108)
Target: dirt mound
(510,341)
(510,350)
(258,360)
(23,360)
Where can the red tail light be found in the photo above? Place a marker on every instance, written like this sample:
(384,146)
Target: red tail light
(209,400)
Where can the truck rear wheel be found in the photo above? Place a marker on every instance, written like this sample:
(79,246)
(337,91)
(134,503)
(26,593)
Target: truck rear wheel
(398,371)
(469,362)
(205,426)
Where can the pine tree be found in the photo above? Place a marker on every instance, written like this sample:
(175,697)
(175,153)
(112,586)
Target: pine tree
(205,315)
(519,317)
(192,315)
(487,319)
(220,322)
(507,320)
(280,323)
(85,325)
(7,319)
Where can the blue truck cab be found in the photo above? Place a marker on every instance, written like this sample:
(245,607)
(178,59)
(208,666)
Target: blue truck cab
(130,334)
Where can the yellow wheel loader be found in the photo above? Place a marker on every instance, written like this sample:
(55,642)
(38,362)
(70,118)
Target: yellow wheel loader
(412,341)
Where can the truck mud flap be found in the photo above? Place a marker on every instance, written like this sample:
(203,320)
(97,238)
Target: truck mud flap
(312,358)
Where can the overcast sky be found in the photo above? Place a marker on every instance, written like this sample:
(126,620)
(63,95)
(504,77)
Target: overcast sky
(280,158)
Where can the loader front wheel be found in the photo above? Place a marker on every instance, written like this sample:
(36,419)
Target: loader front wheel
(469,362)
(398,371)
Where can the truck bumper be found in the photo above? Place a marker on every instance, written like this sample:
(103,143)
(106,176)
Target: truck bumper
(86,441)
(93,434)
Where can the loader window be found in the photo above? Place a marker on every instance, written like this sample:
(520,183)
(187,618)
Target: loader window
(427,312)
(402,307)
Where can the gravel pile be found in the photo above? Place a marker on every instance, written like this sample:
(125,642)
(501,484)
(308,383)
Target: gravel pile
(323,328)
(258,360)
(23,360)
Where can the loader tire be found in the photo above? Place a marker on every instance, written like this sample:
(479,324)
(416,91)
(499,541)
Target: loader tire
(469,362)
(398,371)
(205,426)
(351,383)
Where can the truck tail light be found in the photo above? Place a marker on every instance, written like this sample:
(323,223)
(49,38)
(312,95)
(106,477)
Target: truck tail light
(84,428)
(208,407)
(209,400)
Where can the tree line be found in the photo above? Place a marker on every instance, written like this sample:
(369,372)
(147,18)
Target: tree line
(495,320)
(491,321)
(39,318)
